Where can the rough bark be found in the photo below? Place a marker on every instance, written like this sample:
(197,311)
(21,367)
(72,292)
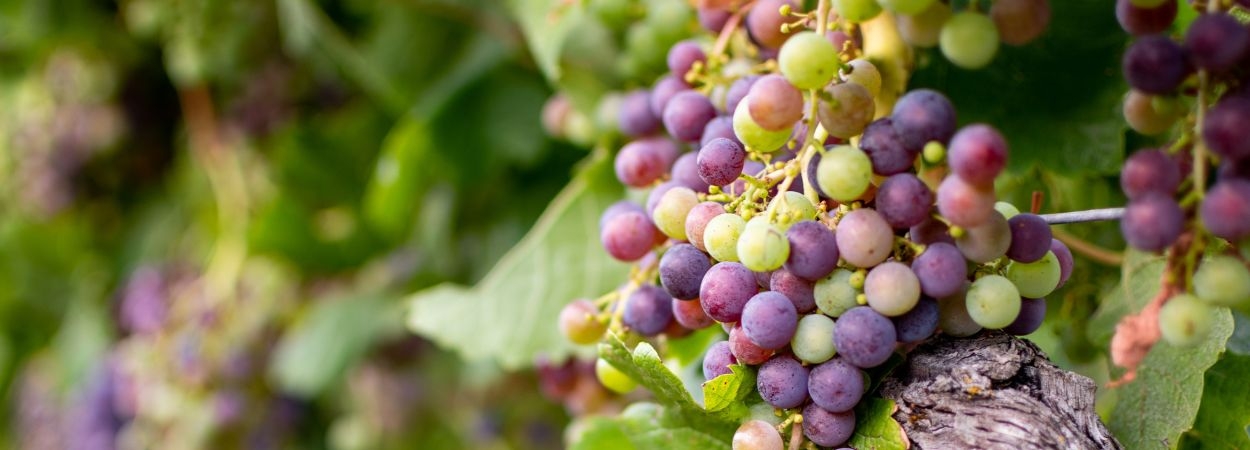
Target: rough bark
(994,391)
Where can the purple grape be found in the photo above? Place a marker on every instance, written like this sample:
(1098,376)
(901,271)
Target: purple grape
(921,116)
(681,271)
(764,22)
(686,172)
(1065,261)
(769,320)
(738,91)
(836,385)
(713,19)
(763,279)
(682,56)
(1225,211)
(721,161)
(1032,313)
(1155,65)
(885,148)
(811,174)
(745,351)
(941,269)
(782,382)
(904,201)
(1152,223)
(864,337)
(648,310)
(689,314)
(919,323)
(725,290)
(628,236)
(813,250)
(663,92)
(622,206)
(774,104)
(636,118)
(963,203)
(1224,129)
(1141,21)
(825,428)
(720,127)
(864,238)
(697,219)
(1149,171)
(1030,238)
(931,231)
(798,290)
(644,161)
(687,114)
(657,192)
(1216,42)
(978,153)
(717,360)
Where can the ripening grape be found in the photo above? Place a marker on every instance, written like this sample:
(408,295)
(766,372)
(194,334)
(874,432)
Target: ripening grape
(744,350)
(782,382)
(930,231)
(969,40)
(835,385)
(579,322)
(757,435)
(681,271)
(904,201)
(987,241)
(993,301)
(697,221)
(682,56)
(738,90)
(1143,117)
(774,104)
(844,173)
(636,118)
(826,428)
(628,236)
(919,323)
(865,74)
(1036,279)
(885,149)
(648,310)
(763,246)
(765,20)
(1149,172)
(906,7)
(1223,281)
(834,293)
(849,109)
(963,203)
(863,337)
(856,11)
(769,320)
(864,238)
(1032,313)
(720,237)
(717,360)
(1186,321)
(808,60)
(720,161)
(1008,210)
(921,116)
(612,378)
(924,29)
(687,114)
(656,193)
(725,290)
(752,135)
(1216,42)
(1030,238)
(892,289)
(813,339)
(713,18)
(940,269)
(1155,65)
(720,127)
(686,172)
(663,91)
(1065,260)
(813,250)
(644,161)
(791,207)
(800,292)
(1020,21)
(690,314)
(1152,222)
(1142,19)
(1224,128)
(670,213)
(953,316)
(978,153)
(615,209)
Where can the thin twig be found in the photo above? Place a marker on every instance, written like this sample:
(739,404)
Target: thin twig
(1089,249)
(1089,215)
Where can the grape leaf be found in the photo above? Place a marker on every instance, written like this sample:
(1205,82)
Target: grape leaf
(646,426)
(729,390)
(875,428)
(1224,416)
(643,364)
(334,335)
(509,315)
(1139,282)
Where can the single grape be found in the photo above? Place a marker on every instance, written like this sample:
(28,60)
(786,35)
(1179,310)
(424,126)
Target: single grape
(993,301)
(681,271)
(690,314)
(670,213)
(1186,321)
(579,322)
(765,20)
(813,339)
(628,236)
(1155,65)
(885,149)
(720,162)
(813,250)
(1020,21)
(791,207)
(940,269)
(644,161)
(757,435)
(1143,117)
(987,241)
(769,320)
(1143,20)
(826,428)
(763,247)
(856,11)
(969,40)
(923,30)
(612,378)
(618,208)
(1149,172)
(834,293)
(763,279)
(738,91)
(1223,281)
(698,219)
(906,7)
(953,316)
(1036,279)
(1030,238)
(657,193)
(782,382)
(963,203)
(864,337)
(1032,313)
(648,310)
(717,360)
(636,118)
(863,73)
(687,114)
(808,60)
(892,289)
(919,323)
(1065,260)
(720,237)
(930,231)
(1216,42)
(713,18)
(686,172)
(904,201)
(746,351)
(774,104)
(921,116)
(682,56)
(725,290)
(844,173)
(835,385)
(720,127)
(864,238)
(1224,128)
(752,135)
(978,153)
(663,91)
(799,291)
(1153,222)
(850,108)
(1008,210)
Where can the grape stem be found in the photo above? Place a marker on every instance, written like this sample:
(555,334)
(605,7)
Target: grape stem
(1090,215)
(1088,249)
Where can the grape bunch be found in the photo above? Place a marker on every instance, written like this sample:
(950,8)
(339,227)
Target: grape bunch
(1194,193)
(823,235)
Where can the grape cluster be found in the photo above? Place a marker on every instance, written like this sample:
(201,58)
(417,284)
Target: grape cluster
(1203,74)
(968,38)
(821,234)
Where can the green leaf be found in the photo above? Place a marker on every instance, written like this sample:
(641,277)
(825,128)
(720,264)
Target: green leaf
(316,352)
(648,426)
(643,364)
(546,25)
(1224,417)
(729,390)
(875,428)
(509,316)
(1139,282)
(403,173)
(602,433)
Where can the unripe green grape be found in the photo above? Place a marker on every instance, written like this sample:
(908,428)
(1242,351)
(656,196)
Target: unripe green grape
(906,7)
(579,322)
(670,213)
(993,302)
(1185,321)
(755,137)
(669,20)
(934,152)
(612,378)
(1148,114)
(808,60)
(924,29)
(1008,210)
(953,317)
(813,339)
(1036,279)
(644,48)
(969,40)
(763,246)
(848,110)
(856,11)
(720,238)
(844,173)
(834,294)
(1223,281)
(865,74)
(792,207)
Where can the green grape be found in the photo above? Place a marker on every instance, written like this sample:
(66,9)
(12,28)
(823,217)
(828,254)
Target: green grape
(934,152)
(847,110)
(670,20)
(813,339)
(755,137)
(808,60)
(671,212)
(616,14)
(993,301)
(906,7)
(1008,210)
(763,246)
(1244,248)
(764,412)
(924,29)
(794,208)
(720,238)
(953,317)
(844,173)
(856,11)
(643,51)
(1185,321)
(1036,279)
(612,378)
(865,74)
(1223,281)
(969,40)
(834,294)
(579,322)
